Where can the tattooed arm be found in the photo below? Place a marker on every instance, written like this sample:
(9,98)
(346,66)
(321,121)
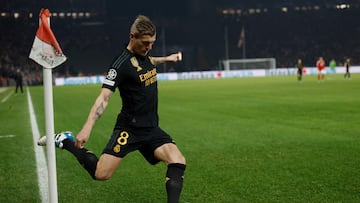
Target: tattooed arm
(96,112)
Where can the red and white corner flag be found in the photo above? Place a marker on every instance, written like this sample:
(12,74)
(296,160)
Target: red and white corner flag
(46,50)
(241,41)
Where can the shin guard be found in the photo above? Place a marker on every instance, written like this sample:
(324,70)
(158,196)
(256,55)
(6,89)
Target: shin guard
(89,161)
(86,158)
(174,181)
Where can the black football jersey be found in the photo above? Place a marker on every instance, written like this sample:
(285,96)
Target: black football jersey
(136,78)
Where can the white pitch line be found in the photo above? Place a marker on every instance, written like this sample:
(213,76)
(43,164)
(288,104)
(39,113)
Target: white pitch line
(3,89)
(6,98)
(7,136)
(41,166)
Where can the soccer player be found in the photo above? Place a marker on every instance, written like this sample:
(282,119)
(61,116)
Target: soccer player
(347,69)
(332,66)
(18,80)
(300,68)
(133,72)
(320,65)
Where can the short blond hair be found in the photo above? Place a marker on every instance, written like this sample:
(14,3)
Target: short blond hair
(142,25)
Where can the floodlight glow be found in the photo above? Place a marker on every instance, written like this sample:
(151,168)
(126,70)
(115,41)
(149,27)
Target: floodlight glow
(343,6)
(16,15)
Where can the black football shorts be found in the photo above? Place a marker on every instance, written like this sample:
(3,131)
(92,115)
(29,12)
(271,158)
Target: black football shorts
(146,140)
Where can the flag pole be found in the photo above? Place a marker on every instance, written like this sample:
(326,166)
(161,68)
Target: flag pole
(226,38)
(244,45)
(49,132)
(47,52)
(49,125)
(226,43)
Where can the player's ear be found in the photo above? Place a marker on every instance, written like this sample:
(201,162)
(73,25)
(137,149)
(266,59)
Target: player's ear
(132,35)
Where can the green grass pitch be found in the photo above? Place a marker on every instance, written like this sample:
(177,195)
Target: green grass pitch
(265,139)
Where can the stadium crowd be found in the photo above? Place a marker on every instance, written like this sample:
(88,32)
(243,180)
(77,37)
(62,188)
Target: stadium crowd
(89,45)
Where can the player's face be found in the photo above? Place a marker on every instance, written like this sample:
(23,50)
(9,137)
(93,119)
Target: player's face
(142,44)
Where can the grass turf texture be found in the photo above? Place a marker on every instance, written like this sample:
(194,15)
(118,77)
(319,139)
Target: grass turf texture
(245,140)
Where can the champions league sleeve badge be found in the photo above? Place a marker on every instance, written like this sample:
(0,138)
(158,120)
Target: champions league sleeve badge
(111,74)
(109,80)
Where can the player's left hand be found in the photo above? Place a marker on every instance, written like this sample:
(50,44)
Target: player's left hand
(175,57)
(81,138)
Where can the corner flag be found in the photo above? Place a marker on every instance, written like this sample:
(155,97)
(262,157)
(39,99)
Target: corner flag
(241,41)
(46,50)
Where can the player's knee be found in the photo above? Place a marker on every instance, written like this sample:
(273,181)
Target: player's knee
(177,158)
(182,160)
(102,176)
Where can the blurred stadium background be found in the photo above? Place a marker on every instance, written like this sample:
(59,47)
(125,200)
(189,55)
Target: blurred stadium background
(91,32)
(270,138)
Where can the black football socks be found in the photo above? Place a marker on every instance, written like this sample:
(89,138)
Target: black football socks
(85,157)
(174,181)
